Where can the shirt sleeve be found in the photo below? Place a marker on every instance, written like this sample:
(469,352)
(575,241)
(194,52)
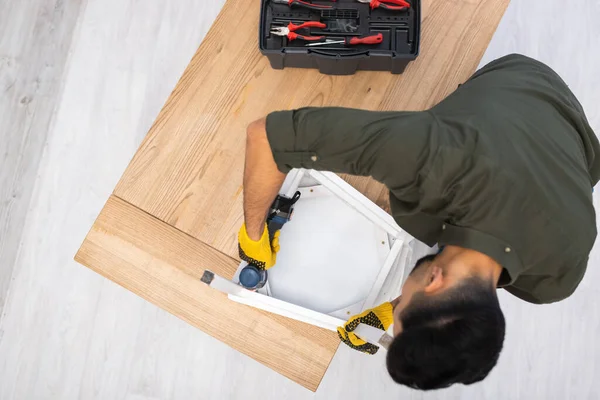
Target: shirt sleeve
(392,147)
(549,289)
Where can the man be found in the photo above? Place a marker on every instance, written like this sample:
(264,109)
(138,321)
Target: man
(499,175)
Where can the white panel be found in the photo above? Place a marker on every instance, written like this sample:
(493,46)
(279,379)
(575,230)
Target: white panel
(330,254)
(359,202)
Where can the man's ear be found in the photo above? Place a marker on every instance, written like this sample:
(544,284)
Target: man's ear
(435,280)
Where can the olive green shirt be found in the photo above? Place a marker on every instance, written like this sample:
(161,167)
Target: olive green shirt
(505,166)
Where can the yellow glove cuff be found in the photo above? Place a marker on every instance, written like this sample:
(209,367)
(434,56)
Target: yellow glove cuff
(385,313)
(250,244)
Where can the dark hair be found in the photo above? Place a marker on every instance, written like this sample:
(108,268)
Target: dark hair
(455,337)
(421,261)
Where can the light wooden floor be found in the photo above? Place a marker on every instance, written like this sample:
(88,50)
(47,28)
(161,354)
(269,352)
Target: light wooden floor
(81,81)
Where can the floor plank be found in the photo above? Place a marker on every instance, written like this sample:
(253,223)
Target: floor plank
(125,59)
(68,334)
(35,37)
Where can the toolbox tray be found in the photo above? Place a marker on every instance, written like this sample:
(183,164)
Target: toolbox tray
(401,37)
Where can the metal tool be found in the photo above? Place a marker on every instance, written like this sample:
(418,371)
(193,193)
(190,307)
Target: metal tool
(398,5)
(290,30)
(373,39)
(251,276)
(303,4)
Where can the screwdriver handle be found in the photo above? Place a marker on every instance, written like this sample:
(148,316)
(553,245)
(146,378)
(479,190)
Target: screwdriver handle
(309,24)
(402,3)
(373,39)
(399,5)
(392,8)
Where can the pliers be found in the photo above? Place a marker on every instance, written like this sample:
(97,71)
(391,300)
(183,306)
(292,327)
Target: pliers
(303,4)
(398,5)
(290,30)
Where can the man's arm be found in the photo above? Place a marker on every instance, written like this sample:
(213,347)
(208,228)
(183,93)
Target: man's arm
(392,147)
(262,179)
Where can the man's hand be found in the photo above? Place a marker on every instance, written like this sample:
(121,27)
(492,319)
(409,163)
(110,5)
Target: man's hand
(380,317)
(262,253)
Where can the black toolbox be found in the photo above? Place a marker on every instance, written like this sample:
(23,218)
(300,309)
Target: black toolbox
(397,30)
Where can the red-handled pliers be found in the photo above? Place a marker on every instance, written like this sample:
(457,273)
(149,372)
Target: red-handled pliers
(398,5)
(290,30)
(303,4)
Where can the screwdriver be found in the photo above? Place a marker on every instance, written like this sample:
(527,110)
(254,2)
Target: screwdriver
(373,39)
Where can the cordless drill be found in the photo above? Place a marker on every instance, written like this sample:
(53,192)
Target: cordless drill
(251,276)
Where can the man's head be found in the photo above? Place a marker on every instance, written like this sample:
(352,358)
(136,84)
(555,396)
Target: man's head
(448,324)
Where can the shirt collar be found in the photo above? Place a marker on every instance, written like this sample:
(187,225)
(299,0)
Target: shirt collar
(499,250)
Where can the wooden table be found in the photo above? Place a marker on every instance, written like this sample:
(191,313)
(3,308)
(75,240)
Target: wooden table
(178,206)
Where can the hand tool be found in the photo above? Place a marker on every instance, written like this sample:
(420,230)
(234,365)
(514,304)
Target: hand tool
(398,5)
(303,4)
(290,30)
(373,39)
(252,277)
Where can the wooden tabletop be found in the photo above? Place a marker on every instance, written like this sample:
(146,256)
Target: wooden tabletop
(177,209)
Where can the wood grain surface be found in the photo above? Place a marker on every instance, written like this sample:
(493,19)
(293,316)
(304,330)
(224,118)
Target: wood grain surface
(163,265)
(188,171)
(186,178)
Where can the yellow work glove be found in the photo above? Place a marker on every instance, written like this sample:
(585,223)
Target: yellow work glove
(380,317)
(262,253)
